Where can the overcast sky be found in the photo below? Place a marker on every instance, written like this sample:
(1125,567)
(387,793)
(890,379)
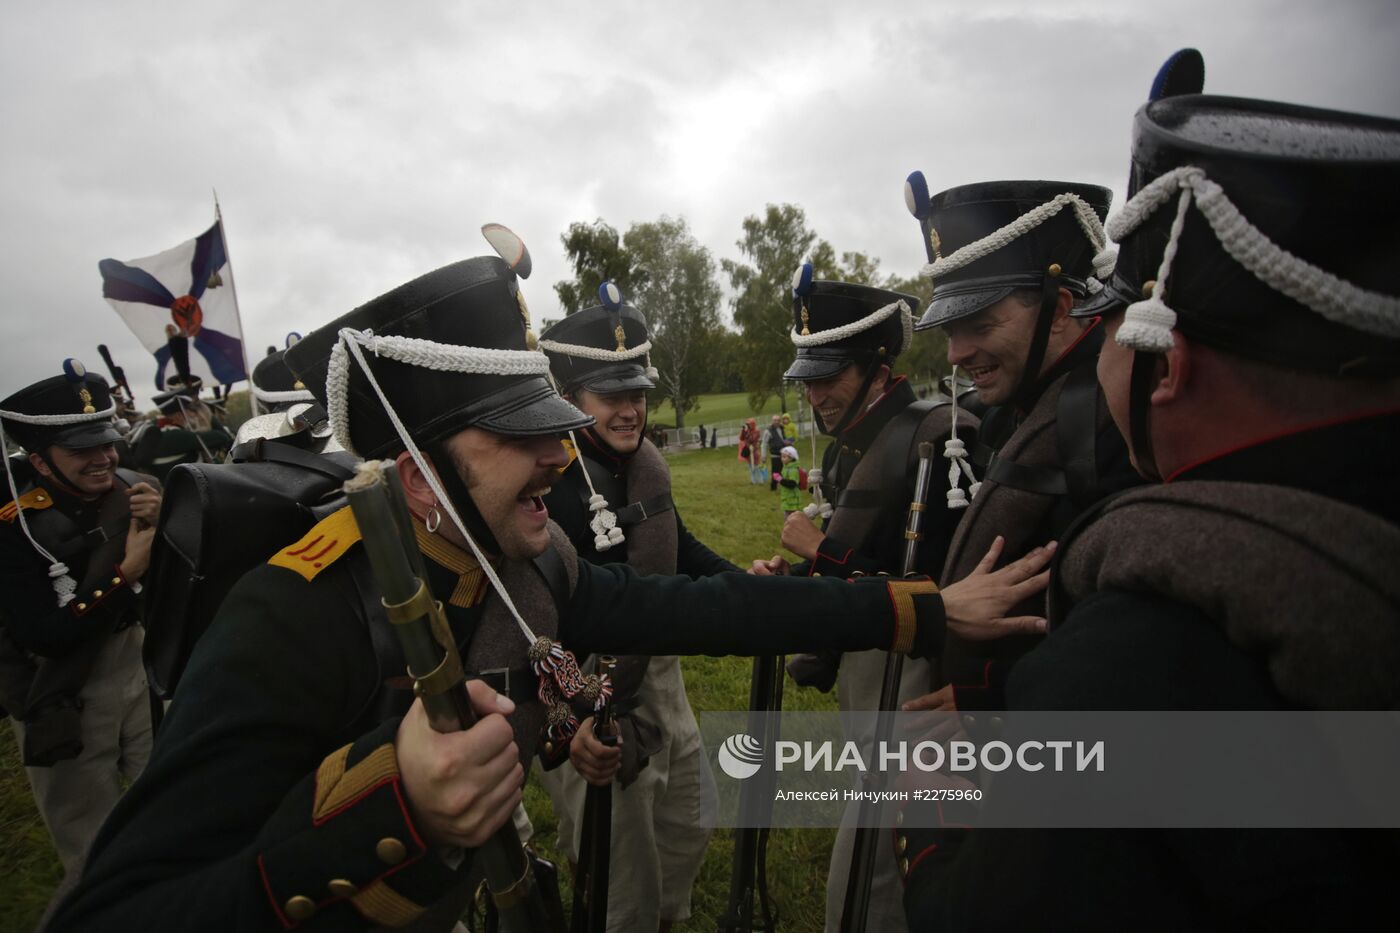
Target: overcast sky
(357,145)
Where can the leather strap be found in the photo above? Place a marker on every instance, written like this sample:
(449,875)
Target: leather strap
(556,577)
(1144,372)
(261,450)
(638,512)
(862,498)
(1076,434)
(898,435)
(1046,481)
(1025,393)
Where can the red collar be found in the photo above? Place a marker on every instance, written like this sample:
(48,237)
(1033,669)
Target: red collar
(1278,435)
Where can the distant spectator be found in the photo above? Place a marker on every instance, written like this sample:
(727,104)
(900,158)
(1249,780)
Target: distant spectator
(749,442)
(790,496)
(775,441)
(789,429)
(702,437)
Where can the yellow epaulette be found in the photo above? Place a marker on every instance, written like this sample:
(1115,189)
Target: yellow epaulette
(33,499)
(572,452)
(320,547)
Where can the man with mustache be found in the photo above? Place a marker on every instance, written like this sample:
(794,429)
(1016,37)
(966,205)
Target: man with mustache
(75,543)
(296,779)
(596,358)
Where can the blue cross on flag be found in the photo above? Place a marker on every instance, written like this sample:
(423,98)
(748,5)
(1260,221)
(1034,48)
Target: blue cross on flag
(182,291)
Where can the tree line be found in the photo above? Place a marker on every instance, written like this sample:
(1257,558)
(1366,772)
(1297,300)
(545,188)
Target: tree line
(664,271)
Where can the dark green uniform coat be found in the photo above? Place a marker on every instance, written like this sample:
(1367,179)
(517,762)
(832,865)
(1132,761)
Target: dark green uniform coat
(274,773)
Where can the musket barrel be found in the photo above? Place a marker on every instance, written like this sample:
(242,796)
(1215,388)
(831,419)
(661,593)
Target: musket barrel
(857,902)
(436,667)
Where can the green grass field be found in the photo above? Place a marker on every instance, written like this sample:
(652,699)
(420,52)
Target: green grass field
(736,519)
(723,409)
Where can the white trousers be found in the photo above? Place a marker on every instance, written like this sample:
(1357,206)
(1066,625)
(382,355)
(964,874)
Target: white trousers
(75,796)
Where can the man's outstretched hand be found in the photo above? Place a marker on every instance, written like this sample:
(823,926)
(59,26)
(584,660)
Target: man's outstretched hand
(975,607)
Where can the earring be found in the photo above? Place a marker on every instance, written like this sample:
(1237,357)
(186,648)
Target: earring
(434,519)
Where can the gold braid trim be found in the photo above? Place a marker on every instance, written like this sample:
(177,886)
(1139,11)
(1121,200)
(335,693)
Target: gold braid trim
(336,786)
(906,624)
(381,904)
(471,580)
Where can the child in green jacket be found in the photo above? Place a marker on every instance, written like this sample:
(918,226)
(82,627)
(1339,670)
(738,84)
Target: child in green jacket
(789,495)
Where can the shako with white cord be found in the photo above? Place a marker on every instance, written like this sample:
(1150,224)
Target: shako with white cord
(604,349)
(837,324)
(985,241)
(74,410)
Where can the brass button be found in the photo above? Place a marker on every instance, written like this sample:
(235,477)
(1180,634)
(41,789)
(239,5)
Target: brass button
(549,748)
(116,581)
(82,607)
(390,851)
(340,887)
(901,844)
(816,574)
(299,907)
(904,868)
(96,594)
(1054,269)
(1147,287)
(899,818)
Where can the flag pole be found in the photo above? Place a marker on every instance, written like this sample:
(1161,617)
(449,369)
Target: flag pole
(253,407)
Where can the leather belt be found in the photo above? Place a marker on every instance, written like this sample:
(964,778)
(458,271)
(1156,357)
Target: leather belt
(1046,481)
(862,498)
(638,512)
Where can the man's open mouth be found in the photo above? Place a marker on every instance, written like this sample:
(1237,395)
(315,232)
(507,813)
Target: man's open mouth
(532,500)
(980,374)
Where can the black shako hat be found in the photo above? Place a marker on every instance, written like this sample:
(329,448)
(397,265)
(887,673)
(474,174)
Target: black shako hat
(602,348)
(79,403)
(436,351)
(835,324)
(180,398)
(274,385)
(1287,250)
(1004,250)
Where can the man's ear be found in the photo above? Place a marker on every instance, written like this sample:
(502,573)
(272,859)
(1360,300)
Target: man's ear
(1172,371)
(40,466)
(1064,304)
(416,491)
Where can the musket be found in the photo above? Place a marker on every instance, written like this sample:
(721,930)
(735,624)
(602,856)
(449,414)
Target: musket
(117,373)
(868,835)
(377,501)
(590,910)
(749,875)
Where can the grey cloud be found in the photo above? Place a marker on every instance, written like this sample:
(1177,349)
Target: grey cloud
(355,145)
